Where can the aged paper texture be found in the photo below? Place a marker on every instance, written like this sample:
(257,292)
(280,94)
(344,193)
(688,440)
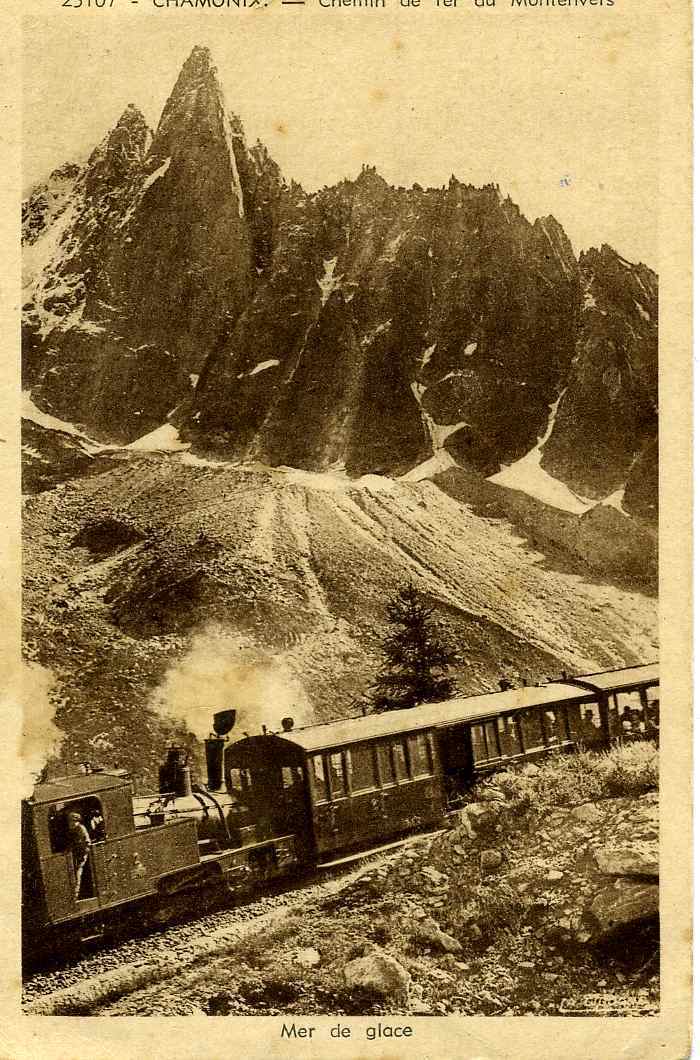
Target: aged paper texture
(346,467)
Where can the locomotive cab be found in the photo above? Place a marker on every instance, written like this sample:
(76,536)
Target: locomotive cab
(265,776)
(82,854)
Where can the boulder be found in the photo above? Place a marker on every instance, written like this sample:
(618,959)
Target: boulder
(220,1004)
(429,931)
(641,860)
(308,956)
(379,974)
(489,861)
(433,875)
(619,905)
(479,816)
(586,812)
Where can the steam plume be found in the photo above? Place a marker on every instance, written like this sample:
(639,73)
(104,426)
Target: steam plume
(222,670)
(40,737)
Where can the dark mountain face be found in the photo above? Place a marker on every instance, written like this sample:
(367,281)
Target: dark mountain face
(364,325)
(608,416)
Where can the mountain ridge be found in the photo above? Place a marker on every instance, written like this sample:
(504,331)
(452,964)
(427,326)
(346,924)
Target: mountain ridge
(185,280)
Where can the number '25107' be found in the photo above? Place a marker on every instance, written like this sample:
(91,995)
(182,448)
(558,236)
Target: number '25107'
(87,3)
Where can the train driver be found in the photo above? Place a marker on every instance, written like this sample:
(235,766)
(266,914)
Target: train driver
(80,845)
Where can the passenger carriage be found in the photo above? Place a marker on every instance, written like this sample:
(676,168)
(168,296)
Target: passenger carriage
(356,783)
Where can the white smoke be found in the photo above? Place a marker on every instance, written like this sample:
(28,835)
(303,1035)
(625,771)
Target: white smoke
(40,736)
(224,670)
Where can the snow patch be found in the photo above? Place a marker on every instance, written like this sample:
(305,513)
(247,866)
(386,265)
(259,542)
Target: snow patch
(642,311)
(528,476)
(194,379)
(615,501)
(157,173)
(378,330)
(90,326)
(29,411)
(33,452)
(440,432)
(37,256)
(264,365)
(441,461)
(235,178)
(427,354)
(162,439)
(469,350)
(393,246)
(566,269)
(201,461)
(328,283)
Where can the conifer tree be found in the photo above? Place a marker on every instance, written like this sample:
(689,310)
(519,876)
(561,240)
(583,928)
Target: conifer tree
(415,670)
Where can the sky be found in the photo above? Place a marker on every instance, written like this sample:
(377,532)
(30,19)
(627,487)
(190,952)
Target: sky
(557,106)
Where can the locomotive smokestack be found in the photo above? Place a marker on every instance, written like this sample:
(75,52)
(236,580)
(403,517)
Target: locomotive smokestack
(214,753)
(223,722)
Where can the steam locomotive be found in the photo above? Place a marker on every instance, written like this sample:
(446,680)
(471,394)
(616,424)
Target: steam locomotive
(296,800)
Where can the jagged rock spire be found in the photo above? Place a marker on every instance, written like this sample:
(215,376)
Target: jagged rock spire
(121,152)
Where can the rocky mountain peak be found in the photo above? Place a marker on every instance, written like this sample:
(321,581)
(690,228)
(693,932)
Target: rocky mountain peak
(196,104)
(121,152)
(368,178)
(199,64)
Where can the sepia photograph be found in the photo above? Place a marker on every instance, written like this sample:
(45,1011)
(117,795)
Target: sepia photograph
(342,664)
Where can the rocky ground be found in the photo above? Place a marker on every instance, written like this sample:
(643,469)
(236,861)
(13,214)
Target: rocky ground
(267,574)
(542,900)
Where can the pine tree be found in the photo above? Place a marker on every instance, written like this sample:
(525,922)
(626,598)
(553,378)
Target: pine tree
(416,663)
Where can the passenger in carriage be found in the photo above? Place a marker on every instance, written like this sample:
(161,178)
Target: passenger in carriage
(589,729)
(638,726)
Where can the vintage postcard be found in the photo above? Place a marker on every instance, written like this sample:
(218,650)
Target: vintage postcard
(352,402)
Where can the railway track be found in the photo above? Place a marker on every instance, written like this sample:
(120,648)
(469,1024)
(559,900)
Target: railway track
(83,986)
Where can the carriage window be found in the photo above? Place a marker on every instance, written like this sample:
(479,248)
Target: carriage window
(361,762)
(336,774)
(419,754)
(629,716)
(586,720)
(653,704)
(484,742)
(479,744)
(319,779)
(400,760)
(291,777)
(508,736)
(553,729)
(491,739)
(386,770)
(531,728)
(239,780)
(628,700)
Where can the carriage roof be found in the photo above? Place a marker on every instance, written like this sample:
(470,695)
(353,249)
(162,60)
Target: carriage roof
(432,715)
(628,677)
